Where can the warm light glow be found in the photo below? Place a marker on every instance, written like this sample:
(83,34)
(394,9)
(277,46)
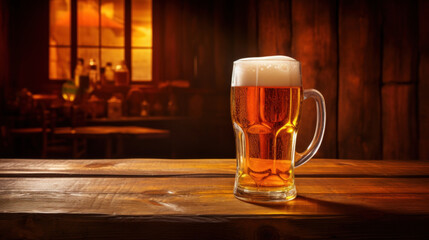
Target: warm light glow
(69,91)
(141,40)
(107,9)
(69,97)
(101,36)
(59,39)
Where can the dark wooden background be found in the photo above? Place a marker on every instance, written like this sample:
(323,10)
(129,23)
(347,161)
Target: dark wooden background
(370,60)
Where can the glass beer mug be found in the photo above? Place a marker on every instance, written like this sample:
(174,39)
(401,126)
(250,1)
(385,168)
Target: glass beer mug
(266,99)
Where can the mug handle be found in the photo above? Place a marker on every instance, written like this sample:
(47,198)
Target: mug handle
(320,127)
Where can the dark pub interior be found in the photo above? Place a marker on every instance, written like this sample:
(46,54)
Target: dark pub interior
(116,119)
(368,59)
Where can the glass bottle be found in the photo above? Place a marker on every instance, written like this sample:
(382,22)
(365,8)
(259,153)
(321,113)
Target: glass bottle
(144,108)
(78,71)
(122,76)
(109,74)
(93,75)
(114,109)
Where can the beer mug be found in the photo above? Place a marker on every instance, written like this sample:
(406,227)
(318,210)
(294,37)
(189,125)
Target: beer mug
(266,100)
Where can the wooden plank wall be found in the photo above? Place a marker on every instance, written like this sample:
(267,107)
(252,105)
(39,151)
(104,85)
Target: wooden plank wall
(399,78)
(314,43)
(423,79)
(4,53)
(359,133)
(369,59)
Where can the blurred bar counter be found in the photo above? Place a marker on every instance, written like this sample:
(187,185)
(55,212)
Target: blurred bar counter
(193,199)
(159,121)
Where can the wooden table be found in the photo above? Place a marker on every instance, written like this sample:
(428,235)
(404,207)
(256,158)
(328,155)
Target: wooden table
(109,133)
(91,131)
(179,127)
(192,199)
(133,120)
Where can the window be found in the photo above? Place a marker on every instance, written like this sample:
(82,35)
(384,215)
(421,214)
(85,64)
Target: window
(100,33)
(59,40)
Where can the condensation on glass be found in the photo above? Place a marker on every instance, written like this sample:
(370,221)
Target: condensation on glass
(266,100)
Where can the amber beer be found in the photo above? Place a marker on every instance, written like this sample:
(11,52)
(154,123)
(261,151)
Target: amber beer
(266,97)
(267,118)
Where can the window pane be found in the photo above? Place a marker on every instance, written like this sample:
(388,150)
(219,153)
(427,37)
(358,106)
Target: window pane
(115,56)
(141,64)
(59,63)
(112,23)
(88,22)
(88,53)
(59,22)
(141,15)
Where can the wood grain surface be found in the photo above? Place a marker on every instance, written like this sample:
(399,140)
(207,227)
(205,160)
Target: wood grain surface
(206,196)
(359,112)
(193,199)
(113,130)
(399,113)
(400,36)
(274,27)
(423,86)
(314,43)
(399,76)
(203,167)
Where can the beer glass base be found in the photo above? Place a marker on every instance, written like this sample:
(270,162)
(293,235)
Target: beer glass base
(255,196)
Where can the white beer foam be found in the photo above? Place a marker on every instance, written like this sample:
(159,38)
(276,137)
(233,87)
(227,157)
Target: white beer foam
(271,71)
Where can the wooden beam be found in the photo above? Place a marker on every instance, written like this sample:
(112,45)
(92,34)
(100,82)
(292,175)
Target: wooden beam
(172,33)
(423,85)
(359,131)
(314,44)
(245,28)
(399,122)
(274,27)
(400,37)
(399,113)
(223,45)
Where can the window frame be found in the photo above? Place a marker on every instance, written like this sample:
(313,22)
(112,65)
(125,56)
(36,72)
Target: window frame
(127,41)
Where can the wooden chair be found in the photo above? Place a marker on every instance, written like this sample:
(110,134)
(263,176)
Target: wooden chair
(54,146)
